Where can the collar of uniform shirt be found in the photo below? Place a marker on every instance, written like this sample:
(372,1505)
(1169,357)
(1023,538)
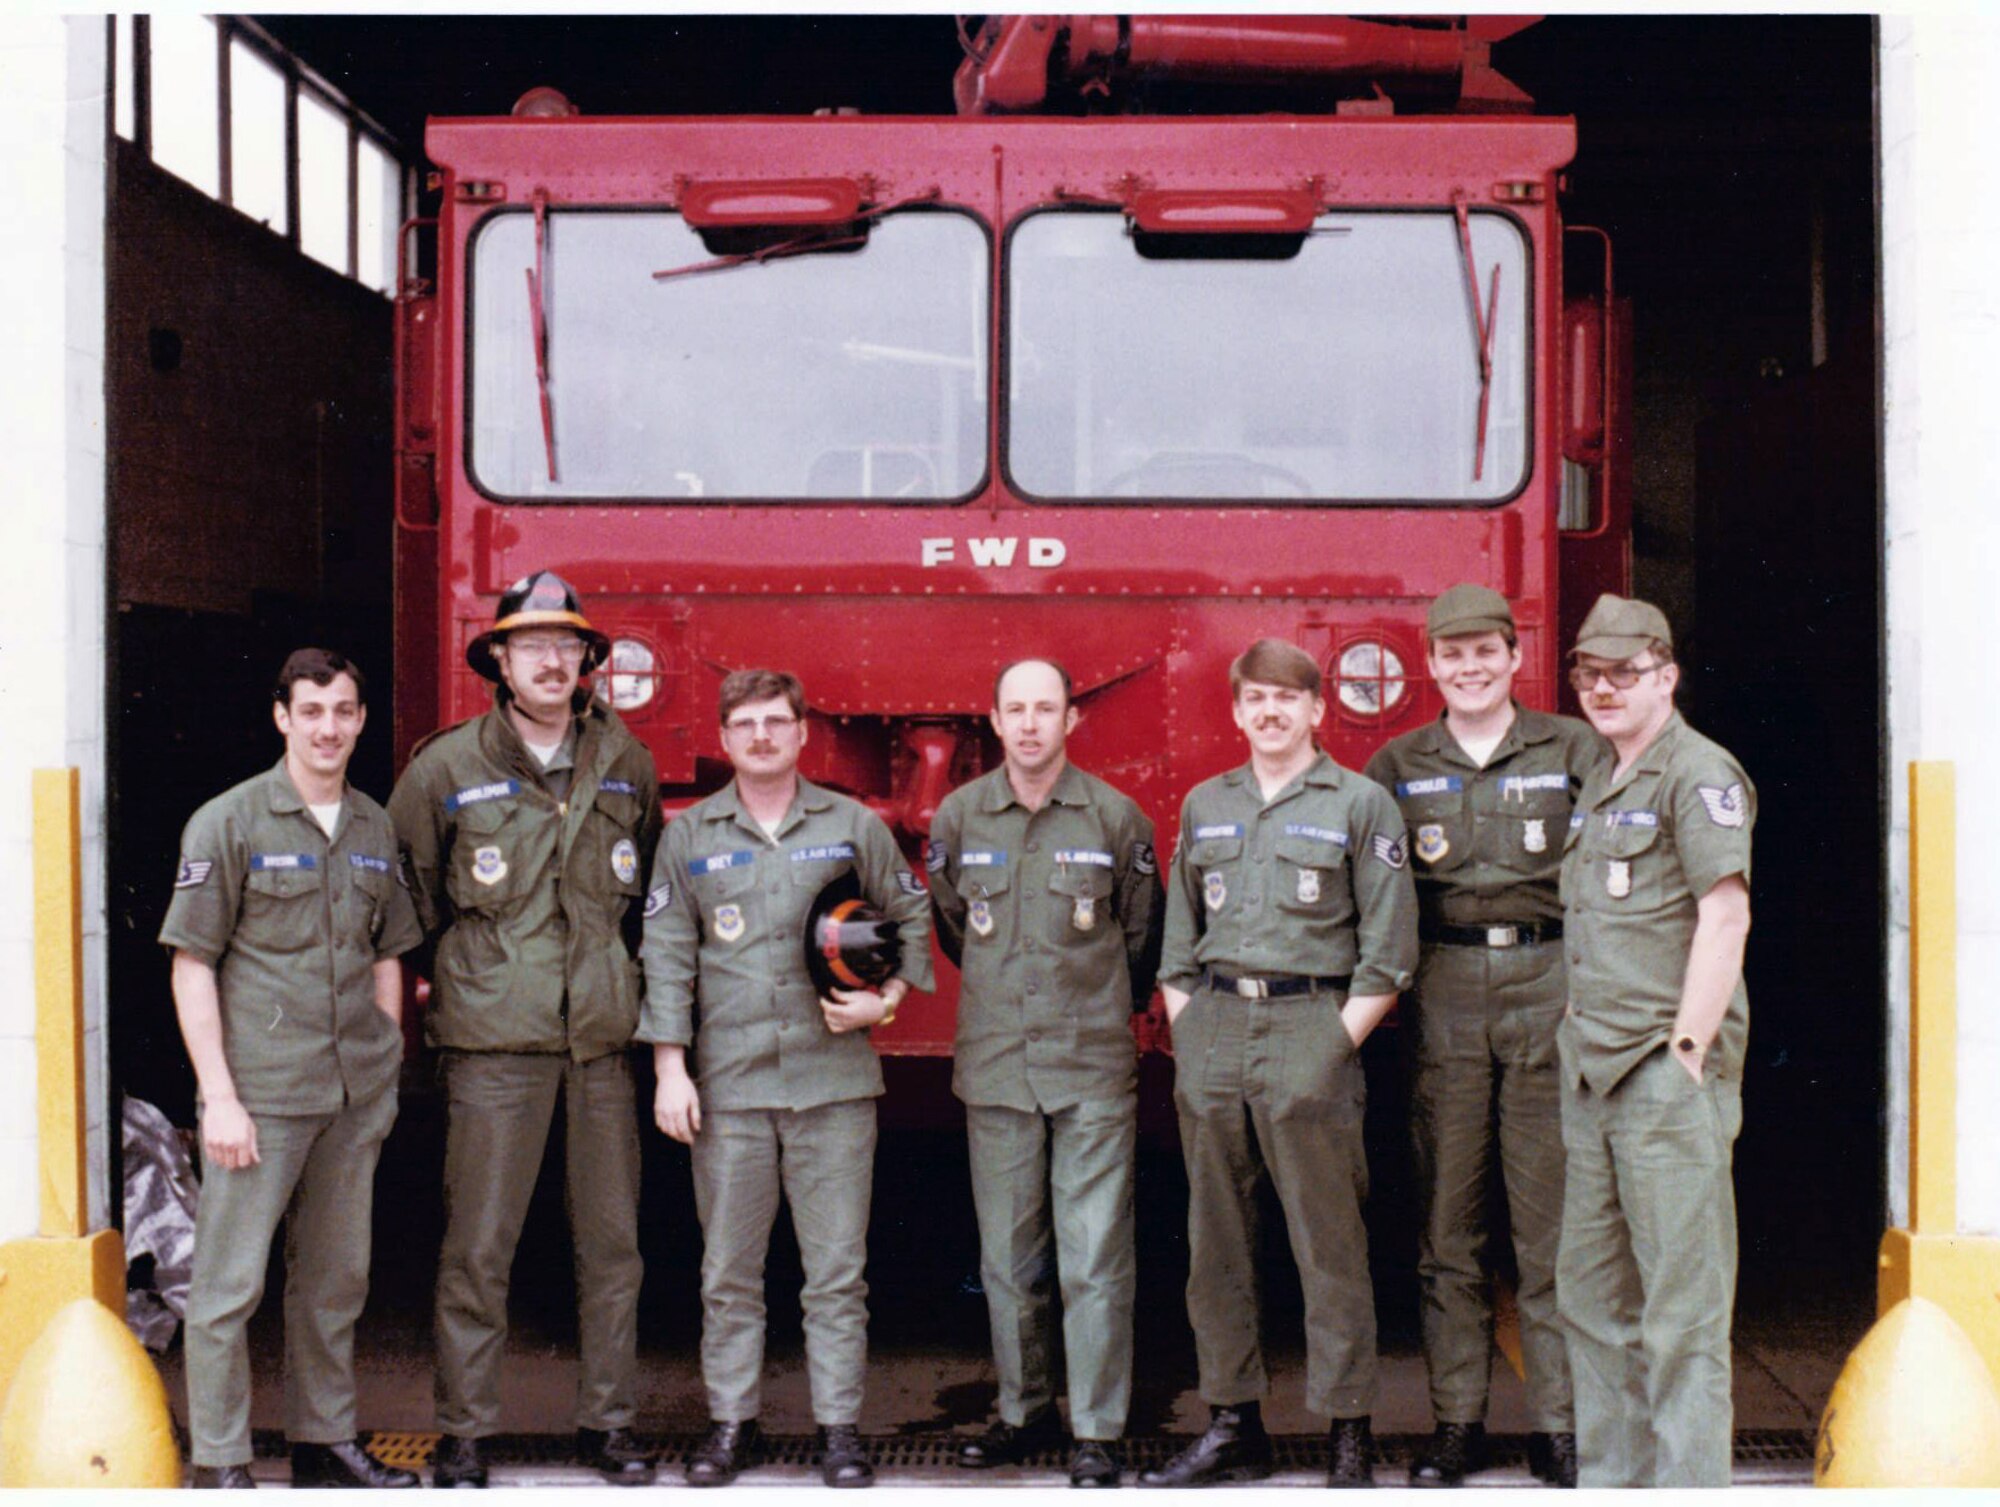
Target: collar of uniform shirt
(1066,791)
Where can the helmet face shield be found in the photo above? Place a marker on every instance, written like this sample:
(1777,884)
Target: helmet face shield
(849,943)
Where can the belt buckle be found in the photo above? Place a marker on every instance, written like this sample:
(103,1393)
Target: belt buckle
(1502,936)
(1253,989)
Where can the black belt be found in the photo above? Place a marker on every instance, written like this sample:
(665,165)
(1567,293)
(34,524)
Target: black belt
(1277,988)
(1500,934)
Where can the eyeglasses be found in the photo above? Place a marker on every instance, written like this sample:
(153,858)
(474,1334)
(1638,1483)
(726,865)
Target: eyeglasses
(571,649)
(1622,677)
(744,726)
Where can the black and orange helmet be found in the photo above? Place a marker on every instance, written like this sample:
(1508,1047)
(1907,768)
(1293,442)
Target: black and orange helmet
(850,944)
(540,599)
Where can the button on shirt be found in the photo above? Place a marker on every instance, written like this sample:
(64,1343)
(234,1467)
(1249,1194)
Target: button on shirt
(293,924)
(1643,849)
(724,949)
(1315,882)
(1053,916)
(1486,843)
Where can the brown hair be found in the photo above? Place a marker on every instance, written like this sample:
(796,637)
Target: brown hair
(1033,659)
(320,666)
(1272,661)
(741,687)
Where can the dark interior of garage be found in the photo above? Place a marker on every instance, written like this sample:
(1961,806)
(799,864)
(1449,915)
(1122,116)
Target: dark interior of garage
(1732,161)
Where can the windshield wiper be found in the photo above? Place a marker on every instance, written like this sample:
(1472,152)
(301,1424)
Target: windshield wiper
(1482,326)
(818,238)
(539,326)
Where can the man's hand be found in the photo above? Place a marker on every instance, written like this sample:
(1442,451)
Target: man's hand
(228,1134)
(853,1010)
(677,1104)
(1175,1000)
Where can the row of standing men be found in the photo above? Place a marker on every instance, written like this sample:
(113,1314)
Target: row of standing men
(1563,907)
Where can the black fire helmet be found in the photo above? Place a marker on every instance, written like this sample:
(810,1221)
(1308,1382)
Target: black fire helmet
(849,943)
(541,599)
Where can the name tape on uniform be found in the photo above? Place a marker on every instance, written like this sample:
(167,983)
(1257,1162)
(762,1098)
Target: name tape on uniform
(283,861)
(369,862)
(1218,829)
(717,862)
(1521,784)
(1631,818)
(982,860)
(1318,834)
(618,787)
(1083,855)
(1439,784)
(472,795)
(826,852)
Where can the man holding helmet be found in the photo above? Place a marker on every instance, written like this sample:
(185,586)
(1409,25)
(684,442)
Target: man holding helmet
(525,834)
(780,1100)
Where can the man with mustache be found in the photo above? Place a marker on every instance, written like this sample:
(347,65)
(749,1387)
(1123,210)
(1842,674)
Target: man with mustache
(285,925)
(526,833)
(1291,926)
(1656,895)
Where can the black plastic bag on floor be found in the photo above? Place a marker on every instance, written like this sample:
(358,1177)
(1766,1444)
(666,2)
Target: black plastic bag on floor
(161,1192)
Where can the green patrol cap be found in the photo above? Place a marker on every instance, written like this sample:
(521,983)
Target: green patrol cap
(1620,627)
(1468,608)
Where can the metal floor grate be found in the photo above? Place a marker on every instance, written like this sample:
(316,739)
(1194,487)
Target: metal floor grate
(931,1451)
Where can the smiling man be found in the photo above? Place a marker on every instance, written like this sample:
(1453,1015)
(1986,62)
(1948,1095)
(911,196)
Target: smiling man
(1047,893)
(1487,791)
(285,925)
(1656,890)
(1291,925)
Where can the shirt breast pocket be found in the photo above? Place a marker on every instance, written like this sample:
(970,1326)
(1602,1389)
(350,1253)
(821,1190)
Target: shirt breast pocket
(488,870)
(1219,861)
(982,886)
(1631,868)
(277,903)
(1440,835)
(1312,876)
(613,828)
(1081,903)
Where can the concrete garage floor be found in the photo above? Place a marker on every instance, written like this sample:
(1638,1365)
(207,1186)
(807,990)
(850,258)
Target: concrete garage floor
(1803,1304)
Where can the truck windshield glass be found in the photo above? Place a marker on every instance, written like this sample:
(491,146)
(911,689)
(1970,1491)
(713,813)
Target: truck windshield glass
(849,373)
(1347,370)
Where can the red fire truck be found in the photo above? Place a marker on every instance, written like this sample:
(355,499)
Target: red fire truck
(891,401)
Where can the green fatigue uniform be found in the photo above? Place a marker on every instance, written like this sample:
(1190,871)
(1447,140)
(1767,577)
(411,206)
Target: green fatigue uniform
(293,924)
(787,1106)
(1054,918)
(1647,1269)
(1487,844)
(528,880)
(1308,892)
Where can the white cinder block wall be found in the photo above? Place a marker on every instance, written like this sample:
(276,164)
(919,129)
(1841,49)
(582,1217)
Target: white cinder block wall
(52,569)
(1941,320)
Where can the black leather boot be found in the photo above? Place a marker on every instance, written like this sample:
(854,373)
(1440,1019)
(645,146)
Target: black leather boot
(728,1448)
(1552,1458)
(843,1458)
(221,1478)
(1350,1451)
(1005,1443)
(1455,1451)
(458,1463)
(615,1455)
(1094,1463)
(1235,1448)
(345,1465)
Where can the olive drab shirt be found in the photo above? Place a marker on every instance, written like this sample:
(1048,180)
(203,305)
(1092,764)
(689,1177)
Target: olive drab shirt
(1054,917)
(725,948)
(531,897)
(1315,882)
(1486,843)
(1643,849)
(293,923)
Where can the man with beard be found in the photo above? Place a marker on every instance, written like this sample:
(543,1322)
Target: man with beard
(526,832)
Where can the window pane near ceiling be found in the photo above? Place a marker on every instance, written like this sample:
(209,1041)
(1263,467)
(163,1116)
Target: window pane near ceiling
(379,201)
(122,111)
(257,136)
(322,182)
(184,98)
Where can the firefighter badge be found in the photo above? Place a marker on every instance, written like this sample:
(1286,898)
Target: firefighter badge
(1308,886)
(1214,891)
(625,860)
(1535,835)
(1432,844)
(729,922)
(980,917)
(1084,916)
(488,867)
(1618,878)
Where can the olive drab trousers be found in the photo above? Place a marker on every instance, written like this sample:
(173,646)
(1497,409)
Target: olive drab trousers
(500,1106)
(1275,1085)
(822,1162)
(1647,1274)
(1080,1160)
(316,1173)
(1486,1082)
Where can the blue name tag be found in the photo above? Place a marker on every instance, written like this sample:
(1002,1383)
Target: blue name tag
(720,861)
(1631,818)
(472,795)
(1517,784)
(1083,855)
(824,853)
(1576,820)
(283,861)
(1220,829)
(1443,784)
(1320,834)
(369,861)
(618,787)
(971,860)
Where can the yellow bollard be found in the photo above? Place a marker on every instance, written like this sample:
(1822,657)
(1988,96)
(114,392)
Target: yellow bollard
(87,1408)
(1914,1406)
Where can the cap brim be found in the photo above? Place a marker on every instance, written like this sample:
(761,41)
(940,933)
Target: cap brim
(1607,646)
(1465,627)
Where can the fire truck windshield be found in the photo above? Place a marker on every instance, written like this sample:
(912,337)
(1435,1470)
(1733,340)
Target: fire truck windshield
(853,373)
(1345,371)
